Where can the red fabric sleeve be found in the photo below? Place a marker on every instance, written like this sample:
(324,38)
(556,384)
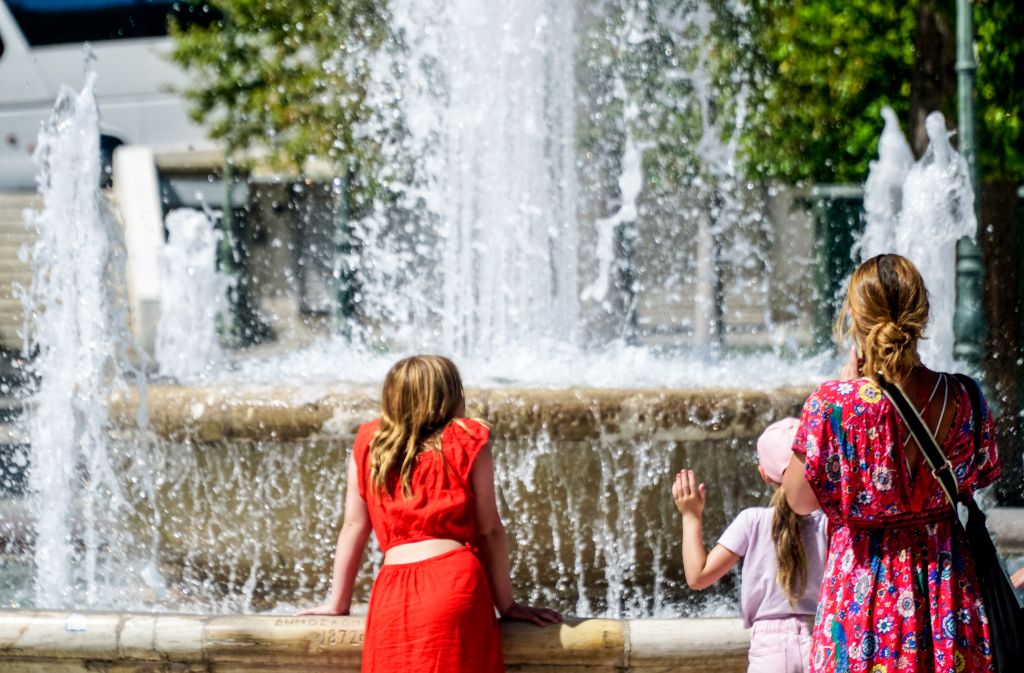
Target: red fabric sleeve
(814,442)
(986,457)
(361,452)
(470,436)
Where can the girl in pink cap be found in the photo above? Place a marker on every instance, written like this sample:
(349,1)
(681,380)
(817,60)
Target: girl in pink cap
(783,558)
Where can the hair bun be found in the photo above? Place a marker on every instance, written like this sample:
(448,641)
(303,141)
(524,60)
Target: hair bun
(893,335)
(886,311)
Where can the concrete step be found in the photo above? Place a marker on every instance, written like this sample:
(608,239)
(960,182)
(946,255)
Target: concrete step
(13,272)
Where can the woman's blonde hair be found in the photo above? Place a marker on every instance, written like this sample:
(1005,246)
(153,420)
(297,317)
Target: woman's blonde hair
(885,312)
(790,555)
(422,395)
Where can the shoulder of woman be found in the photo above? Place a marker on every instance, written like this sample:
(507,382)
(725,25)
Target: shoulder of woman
(968,387)
(838,388)
(862,391)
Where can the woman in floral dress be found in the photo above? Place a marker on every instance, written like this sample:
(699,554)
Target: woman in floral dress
(900,590)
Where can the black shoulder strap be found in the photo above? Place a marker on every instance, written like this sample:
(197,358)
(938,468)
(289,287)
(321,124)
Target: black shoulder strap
(974,393)
(942,469)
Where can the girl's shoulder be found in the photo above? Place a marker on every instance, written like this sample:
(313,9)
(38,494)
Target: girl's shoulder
(366,432)
(470,424)
(756,517)
(368,428)
(462,442)
(749,532)
(476,430)
(762,518)
(817,520)
(361,445)
(464,439)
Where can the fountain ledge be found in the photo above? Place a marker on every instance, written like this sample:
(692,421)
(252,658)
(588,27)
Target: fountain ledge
(41,642)
(210,414)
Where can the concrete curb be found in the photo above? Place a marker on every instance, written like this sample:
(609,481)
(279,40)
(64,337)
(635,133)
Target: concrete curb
(45,642)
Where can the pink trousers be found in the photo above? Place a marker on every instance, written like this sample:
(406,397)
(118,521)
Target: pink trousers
(780,645)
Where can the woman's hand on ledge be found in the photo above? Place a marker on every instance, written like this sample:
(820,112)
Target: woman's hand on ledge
(1018,579)
(528,613)
(327,608)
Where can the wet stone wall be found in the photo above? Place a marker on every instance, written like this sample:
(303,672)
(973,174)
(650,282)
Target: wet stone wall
(249,488)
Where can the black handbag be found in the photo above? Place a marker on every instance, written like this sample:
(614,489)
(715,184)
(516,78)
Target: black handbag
(1005,615)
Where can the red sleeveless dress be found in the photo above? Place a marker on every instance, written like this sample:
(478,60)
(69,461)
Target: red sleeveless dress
(435,615)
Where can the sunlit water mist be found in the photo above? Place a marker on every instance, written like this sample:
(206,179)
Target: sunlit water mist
(79,322)
(479,252)
(330,360)
(193,293)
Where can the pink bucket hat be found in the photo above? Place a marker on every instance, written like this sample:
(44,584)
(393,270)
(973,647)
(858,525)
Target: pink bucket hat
(775,447)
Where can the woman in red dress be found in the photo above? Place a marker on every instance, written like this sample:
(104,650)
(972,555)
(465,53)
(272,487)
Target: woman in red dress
(422,477)
(900,590)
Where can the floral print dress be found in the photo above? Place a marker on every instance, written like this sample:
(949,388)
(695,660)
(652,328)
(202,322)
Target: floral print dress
(900,591)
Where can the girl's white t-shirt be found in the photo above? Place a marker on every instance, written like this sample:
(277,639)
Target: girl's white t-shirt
(750,536)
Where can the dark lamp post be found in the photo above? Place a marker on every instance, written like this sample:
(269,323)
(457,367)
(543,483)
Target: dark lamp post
(969,320)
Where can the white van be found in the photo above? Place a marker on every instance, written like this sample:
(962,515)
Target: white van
(41,49)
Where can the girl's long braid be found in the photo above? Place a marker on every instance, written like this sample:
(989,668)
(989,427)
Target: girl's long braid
(789,548)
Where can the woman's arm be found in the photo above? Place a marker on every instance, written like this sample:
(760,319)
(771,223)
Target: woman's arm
(355,531)
(493,545)
(700,568)
(799,493)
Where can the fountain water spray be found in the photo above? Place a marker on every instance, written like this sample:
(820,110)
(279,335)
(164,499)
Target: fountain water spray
(938,210)
(631,182)
(78,321)
(479,252)
(920,211)
(472,247)
(883,191)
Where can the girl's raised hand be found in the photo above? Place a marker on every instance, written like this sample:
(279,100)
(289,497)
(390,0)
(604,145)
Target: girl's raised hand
(688,494)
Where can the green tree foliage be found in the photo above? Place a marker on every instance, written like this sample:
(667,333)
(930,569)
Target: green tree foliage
(285,77)
(825,68)
(289,78)
(999,25)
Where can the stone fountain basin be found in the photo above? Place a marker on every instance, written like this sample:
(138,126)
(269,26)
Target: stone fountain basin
(251,480)
(286,413)
(250,488)
(237,493)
